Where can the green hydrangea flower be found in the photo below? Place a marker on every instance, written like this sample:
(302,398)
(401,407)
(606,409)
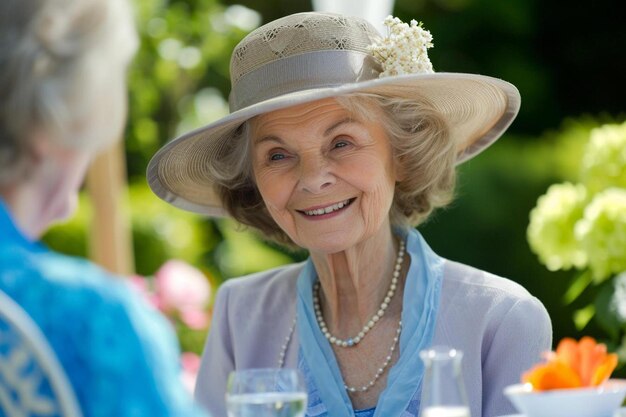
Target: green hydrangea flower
(602,233)
(604,163)
(550,233)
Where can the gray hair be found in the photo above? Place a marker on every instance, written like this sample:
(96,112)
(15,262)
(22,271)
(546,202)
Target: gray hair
(56,57)
(421,146)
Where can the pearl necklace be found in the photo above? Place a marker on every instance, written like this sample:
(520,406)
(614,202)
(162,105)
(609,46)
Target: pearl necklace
(283,349)
(364,388)
(367,386)
(353,341)
(381,370)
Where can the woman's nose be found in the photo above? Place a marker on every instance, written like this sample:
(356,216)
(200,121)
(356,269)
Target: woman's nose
(315,173)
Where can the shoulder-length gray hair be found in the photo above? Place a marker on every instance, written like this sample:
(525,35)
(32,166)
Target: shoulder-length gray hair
(421,146)
(55,60)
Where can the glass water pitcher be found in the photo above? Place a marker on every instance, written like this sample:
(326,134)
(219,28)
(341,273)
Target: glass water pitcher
(443,391)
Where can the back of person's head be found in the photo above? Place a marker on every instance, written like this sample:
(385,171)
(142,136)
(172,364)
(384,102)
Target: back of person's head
(62,75)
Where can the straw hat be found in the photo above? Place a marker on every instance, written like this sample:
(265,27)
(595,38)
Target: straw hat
(310,56)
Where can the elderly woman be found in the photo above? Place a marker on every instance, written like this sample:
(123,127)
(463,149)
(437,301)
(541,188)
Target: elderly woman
(63,93)
(329,149)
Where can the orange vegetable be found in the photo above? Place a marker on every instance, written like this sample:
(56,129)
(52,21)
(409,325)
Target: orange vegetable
(574,364)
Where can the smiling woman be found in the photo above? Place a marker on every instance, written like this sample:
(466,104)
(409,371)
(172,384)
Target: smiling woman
(309,158)
(416,132)
(339,142)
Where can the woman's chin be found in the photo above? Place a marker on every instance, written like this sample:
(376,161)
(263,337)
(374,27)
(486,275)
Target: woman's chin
(328,244)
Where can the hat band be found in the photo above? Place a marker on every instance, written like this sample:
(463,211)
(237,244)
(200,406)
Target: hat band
(312,70)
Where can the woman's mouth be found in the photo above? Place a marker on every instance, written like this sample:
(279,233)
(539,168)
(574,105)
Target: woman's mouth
(321,211)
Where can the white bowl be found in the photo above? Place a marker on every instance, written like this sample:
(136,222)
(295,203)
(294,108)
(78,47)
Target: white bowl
(599,401)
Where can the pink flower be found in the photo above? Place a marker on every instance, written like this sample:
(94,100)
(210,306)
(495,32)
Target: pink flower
(140,284)
(181,286)
(195,318)
(190,366)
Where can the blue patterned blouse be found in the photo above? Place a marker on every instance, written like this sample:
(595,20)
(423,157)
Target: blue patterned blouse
(120,354)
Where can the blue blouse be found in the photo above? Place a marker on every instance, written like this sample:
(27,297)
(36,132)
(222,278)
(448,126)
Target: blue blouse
(119,353)
(326,394)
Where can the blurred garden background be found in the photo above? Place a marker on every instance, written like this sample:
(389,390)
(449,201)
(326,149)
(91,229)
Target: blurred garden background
(566,59)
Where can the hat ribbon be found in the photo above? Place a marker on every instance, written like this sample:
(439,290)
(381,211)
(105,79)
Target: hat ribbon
(307,71)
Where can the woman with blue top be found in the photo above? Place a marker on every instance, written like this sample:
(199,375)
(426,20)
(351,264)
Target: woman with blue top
(339,142)
(63,99)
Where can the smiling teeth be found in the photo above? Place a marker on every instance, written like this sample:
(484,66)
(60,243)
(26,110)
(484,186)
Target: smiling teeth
(326,210)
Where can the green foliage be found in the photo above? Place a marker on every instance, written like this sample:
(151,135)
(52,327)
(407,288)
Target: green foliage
(70,237)
(191,340)
(242,252)
(583,225)
(486,225)
(179,77)
(162,232)
(605,311)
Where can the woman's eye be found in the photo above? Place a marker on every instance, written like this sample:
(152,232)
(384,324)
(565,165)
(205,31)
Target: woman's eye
(341,143)
(276,156)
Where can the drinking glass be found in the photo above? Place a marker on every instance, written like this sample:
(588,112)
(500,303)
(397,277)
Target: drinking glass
(443,392)
(271,392)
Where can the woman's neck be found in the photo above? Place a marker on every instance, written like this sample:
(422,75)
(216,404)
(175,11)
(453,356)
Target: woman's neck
(355,281)
(22,205)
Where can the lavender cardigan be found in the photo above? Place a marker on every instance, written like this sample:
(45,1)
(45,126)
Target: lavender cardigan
(501,329)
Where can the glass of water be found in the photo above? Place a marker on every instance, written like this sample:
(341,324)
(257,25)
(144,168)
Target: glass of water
(271,392)
(443,393)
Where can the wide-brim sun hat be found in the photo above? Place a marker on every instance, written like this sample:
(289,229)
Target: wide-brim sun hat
(307,57)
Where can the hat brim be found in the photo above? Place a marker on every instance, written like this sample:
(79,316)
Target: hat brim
(478,110)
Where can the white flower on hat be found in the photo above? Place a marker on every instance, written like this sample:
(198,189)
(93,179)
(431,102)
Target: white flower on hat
(404,50)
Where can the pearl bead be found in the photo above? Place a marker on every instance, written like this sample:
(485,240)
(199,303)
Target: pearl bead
(283,349)
(380,370)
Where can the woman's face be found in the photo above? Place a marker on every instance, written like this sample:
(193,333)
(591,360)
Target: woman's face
(326,178)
